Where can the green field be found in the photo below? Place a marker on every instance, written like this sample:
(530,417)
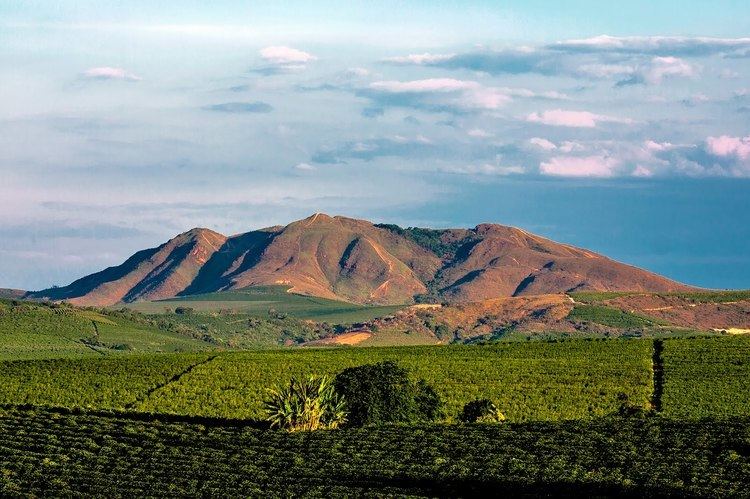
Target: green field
(717,296)
(535,381)
(30,330)
(707,377)
(99,382)
(116,415)
(258,300)
(613,317)
(45,454)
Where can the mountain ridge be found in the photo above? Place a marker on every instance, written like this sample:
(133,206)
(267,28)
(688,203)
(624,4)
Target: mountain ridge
(358,261)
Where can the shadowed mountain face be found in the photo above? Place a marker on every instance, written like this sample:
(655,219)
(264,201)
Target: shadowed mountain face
(354,260)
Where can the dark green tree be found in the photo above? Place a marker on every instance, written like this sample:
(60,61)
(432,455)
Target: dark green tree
(384,393)
(481,411)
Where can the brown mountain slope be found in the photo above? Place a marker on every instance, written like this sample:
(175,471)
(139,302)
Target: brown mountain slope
(342,258)
(354,260)
(506,261)
(150,274)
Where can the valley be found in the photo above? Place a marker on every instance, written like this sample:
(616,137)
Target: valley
(179,347)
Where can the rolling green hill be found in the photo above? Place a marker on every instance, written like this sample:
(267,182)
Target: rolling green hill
(31,330)
(258,300)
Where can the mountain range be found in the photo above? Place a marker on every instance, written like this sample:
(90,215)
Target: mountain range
(358,261)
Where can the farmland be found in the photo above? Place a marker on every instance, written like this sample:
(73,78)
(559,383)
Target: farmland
(53,453)
(534,381)
(538,381)
(29,330)
(530,381)
(258,300)
(704,377)
(90,382)
(192,423)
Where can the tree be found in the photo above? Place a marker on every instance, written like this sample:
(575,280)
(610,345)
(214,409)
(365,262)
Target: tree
(306,405)
(383,393)
(481,411)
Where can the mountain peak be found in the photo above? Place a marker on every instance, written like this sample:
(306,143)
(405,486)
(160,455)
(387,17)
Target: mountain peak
(353,260)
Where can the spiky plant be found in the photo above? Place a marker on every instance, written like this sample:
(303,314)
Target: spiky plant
(305,405)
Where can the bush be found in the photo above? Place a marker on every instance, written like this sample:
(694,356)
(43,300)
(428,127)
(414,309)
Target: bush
(383,393)
(305,405)
(184,310)
(481,411)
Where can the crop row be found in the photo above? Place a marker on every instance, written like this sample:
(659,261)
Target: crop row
(528,381)
(50,454)
(706,377)
(532,381)
(103,382)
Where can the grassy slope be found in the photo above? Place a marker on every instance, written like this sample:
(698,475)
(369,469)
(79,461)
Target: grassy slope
(29,330)
(258,300)
(694,296)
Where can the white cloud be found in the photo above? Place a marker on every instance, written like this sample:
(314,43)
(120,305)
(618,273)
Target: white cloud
(663,67)
(284,56)
(727,146)
(418,59)
(437,94)
(542,143)
(110,73)
(428,85)
(576,119)
(525,92)
(642,171)
(693,46)
(658,146)
(573,166)
(569,146)
(304,167)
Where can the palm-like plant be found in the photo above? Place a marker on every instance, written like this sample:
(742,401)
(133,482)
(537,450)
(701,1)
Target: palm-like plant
(305,405)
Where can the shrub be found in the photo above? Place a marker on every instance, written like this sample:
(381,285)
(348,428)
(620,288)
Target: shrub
(481,411)
(383,393)
(305,405)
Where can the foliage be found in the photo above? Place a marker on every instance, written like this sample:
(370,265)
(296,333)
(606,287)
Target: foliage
(111,382)
(53,454)
(481,411)
(598,296)
(257,301)
(706,377)
(383,393)
(311,404)
(609,316)
(713,296)
(691,296)
(433,240)
(530,381)
(31,330)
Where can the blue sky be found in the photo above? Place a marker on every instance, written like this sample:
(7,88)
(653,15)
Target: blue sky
(622,129)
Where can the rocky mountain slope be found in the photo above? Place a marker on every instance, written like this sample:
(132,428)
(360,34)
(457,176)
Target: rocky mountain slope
(355,260)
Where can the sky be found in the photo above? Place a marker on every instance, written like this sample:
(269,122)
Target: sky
(624,129)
